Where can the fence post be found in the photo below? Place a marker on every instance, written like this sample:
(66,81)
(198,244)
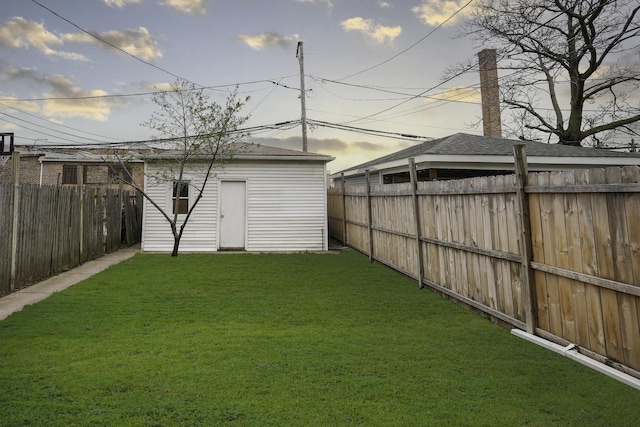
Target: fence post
(526,246)
(14,219)
(416,215)
(344,212)
(105,224)
(81,187)
(369,219)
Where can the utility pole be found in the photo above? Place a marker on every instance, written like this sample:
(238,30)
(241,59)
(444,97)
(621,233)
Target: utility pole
(303,106)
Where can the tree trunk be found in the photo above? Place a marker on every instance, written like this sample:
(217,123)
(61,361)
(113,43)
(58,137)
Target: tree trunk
(176,244)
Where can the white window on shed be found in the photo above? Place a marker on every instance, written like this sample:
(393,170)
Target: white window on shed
(180,197)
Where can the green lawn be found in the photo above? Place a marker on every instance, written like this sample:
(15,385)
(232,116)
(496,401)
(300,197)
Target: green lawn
(282,339)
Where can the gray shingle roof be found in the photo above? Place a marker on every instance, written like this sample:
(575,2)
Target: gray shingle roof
(248,151)
(462,144)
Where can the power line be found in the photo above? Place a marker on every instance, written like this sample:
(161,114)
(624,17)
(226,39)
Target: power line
(407,95)
(411,46)
(411,98)
(365,130)
(125,95)
(95,36)
(57,124)
(290,124)
(49,129)
(40,132)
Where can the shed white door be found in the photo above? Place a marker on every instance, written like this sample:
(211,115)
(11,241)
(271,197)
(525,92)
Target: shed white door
(233,214)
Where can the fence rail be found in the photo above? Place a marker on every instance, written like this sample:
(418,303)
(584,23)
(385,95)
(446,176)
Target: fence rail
(557,254)
(48,229)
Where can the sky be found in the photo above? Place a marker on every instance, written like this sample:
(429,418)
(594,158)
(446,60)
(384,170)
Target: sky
(364,63)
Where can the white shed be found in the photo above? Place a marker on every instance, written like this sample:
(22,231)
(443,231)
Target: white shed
(265,199)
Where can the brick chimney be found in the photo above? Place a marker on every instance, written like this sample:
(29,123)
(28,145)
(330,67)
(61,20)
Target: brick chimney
(490,93)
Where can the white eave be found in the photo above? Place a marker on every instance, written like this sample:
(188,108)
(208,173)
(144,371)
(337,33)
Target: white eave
(452,161)
(261,157)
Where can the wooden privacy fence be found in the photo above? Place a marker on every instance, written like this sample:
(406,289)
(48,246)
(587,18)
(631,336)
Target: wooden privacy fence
(47,230)
(553,253)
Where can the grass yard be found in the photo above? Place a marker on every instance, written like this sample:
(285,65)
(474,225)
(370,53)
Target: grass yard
(282,339)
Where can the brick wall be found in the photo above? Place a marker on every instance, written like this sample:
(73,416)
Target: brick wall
(52,172)
(29,170)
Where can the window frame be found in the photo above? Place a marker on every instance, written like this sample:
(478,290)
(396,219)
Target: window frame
(180,201)
(113,172)
(69,174)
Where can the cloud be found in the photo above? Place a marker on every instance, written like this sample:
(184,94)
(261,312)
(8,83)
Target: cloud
(194,7)
(370,29)
(138,42)
(19,33)
(325,4)
(461,93)
(435,12)
(9,102)
(9,105)
(9,127)
(260,41)
(120,3)
(58,86)
(347,153)
(93,109)
(384,4)
(323,145)
(9,73)
(157,87)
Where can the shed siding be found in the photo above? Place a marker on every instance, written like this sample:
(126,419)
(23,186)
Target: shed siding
(359,180)
(286,209)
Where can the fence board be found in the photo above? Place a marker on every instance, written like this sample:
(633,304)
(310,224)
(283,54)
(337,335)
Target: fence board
(621,247)
(604,254)
(562,259)
(459,266)
(548,246)
(502,239)
(575,263)
(537,248)
(513,247)
(486,287)
(632,211)
(471,239)
(589,266)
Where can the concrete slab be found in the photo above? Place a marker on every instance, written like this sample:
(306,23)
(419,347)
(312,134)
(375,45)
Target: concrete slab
(16,301)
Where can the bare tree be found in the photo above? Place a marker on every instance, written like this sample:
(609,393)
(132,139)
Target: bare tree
(574,65)
(193,130)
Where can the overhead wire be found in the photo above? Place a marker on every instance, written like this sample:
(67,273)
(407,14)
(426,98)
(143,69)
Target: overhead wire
(95,36)
(364,130)
(137,94)
(39,131)
(49,129)
(464,70)
(411,46)
(54,123)
(250,129)
(410,98)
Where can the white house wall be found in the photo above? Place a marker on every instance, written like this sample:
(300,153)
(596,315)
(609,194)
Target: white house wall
(286,209)
(359,180)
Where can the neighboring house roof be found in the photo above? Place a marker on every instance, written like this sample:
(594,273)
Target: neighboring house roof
(87,157)
(80,155)
(470,149)
(251,152)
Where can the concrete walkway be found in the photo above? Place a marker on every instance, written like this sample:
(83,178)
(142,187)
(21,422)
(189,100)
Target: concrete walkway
(16,301)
